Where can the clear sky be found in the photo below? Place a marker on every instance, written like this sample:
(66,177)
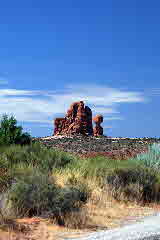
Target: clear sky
(106,53)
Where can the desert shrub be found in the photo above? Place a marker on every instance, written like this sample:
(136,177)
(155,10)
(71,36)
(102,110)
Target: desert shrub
(31,195)
(98,166)
(12,155)
(35,193)
(23,139)
(70,198)
(10,133)
(151,158)
(5,174)
(140,184)
(90,186)
(81,185)
(69,201)
(77,219)
(5,180)
(89,174)
(35,154)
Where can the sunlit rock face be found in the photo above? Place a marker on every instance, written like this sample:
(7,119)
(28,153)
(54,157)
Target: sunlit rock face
(78,120)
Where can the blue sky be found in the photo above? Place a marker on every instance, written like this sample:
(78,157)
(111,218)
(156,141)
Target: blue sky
(106,53)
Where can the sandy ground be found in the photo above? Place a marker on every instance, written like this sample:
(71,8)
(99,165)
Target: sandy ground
(110,217)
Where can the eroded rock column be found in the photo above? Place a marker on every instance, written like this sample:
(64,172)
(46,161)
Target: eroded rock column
(98,129)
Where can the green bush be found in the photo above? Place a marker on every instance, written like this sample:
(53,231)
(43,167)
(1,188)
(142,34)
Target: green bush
(34,193)
(69,200)
(5,174)
(81,186)
(140,184)
(151,158)
(17,161)
(31,195)
(23,139)
(10,133)
(36,155)
(5,180)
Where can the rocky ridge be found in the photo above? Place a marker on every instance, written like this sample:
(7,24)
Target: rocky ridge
(93,146)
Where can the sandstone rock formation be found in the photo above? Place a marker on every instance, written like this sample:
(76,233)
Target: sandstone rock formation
(78,120)
(98,130)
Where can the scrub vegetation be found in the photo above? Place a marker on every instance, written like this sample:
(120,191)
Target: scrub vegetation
(41,181)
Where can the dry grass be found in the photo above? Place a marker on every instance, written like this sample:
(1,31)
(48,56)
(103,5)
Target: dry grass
(108,213)
(101,212)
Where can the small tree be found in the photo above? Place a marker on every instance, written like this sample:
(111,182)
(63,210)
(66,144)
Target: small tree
(10,133)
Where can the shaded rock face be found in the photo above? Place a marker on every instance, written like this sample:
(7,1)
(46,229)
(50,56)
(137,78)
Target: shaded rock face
(78,120)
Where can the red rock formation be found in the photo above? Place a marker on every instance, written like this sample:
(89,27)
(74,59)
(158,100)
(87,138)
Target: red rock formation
(59,124)
(78,120)
(98,130)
